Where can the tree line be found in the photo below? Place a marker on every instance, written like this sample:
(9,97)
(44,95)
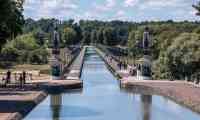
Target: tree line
(175,47)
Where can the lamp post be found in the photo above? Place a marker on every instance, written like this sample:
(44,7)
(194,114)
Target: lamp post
(146,41)
(144,71)
(55,59)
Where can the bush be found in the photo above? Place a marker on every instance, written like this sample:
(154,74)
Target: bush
(9,53)
(39,56)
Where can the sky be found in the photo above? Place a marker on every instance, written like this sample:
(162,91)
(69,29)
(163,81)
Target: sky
(107,10)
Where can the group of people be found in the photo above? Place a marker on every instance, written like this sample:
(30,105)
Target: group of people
(122,65)
(133,70)
(20,77)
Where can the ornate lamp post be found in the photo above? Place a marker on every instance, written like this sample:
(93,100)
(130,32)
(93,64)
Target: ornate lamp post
(55,59)
(144,64)
(146,41)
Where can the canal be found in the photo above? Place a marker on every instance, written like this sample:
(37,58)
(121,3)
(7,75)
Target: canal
(102,99)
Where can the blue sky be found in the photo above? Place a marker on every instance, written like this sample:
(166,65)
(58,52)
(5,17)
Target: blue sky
(127,10)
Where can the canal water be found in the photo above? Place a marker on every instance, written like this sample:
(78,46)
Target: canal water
(102,99)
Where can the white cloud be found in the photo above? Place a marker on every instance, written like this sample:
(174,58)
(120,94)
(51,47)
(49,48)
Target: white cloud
(110,9)
(193,12)
(120,13)
(130,3)
(49,8)
(109,5)
(159,4)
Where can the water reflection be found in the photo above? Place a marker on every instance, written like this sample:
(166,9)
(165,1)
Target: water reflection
(102,99)
(146,101)
(56,102)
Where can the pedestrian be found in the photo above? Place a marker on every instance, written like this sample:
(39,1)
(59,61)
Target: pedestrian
(8,76)
(21,80)
(31,76)
(24,77)
(120,65)
(15,76)
(4,81)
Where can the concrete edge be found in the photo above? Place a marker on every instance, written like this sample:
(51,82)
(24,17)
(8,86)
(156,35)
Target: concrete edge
(29,107)
(81,57)
(148,90)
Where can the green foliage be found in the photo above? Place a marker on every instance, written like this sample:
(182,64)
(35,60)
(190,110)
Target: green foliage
(25,42)
(25,49)
(181,59)
(69,36)
(10,53)
(133,43)
(39,56)
(11,19)
(109,36)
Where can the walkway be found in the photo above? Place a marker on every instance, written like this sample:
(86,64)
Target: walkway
(180,91)
(76,67)
(15,102)
(113,64)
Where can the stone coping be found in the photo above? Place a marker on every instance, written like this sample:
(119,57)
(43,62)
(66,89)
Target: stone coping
(16,102)
(181,92)
(76,67)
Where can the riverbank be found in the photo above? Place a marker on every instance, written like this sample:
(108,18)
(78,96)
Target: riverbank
(181,92)
(17,102)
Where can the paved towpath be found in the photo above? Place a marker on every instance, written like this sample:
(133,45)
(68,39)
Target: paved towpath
(16,102)
(113,64)
(180,91)
(76,67)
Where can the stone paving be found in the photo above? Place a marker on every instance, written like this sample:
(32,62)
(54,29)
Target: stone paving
(76,67)
(113,64)
(16,102)
(179,91)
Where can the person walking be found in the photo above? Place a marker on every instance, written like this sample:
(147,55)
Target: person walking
(8,77)
(21,80)
(15,76)
(24,77)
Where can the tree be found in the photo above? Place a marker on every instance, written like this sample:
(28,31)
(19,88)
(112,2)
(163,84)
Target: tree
(69,36)
(10,53)
(109,36)
(181,59)
(11,19)
(197,7)
(86,38)
(39,56)
(24,49)
(94,36)
(25,42)
(100,36)
(134,44)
